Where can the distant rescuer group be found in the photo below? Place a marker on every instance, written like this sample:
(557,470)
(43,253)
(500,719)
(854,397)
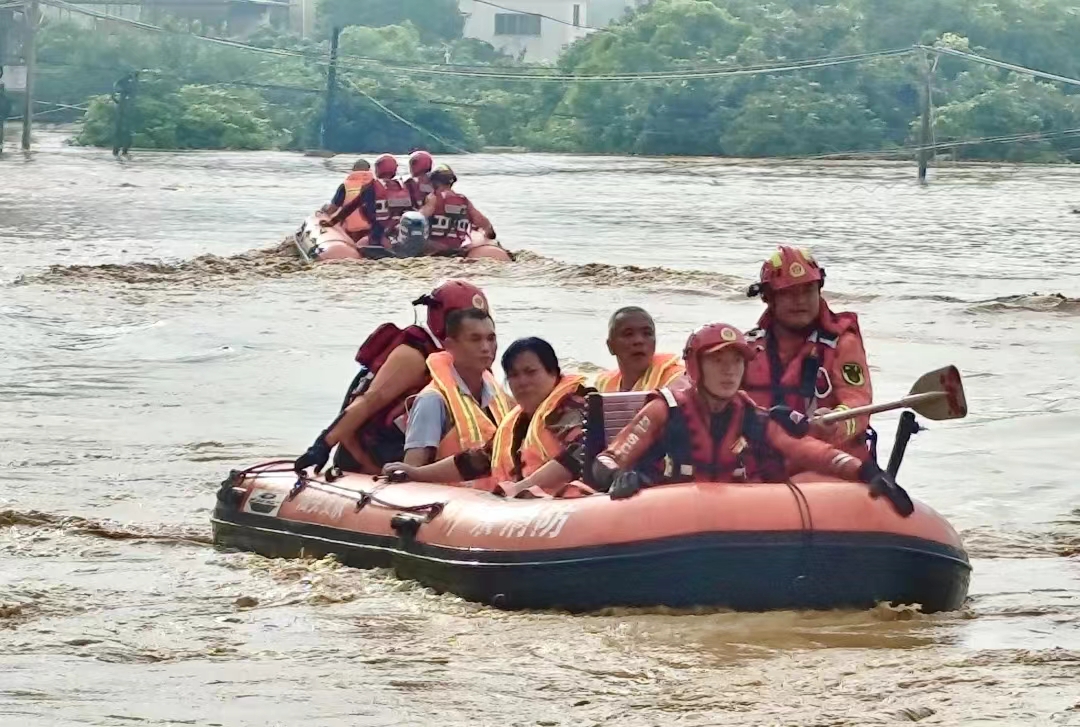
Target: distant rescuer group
(735,407)
(421,215)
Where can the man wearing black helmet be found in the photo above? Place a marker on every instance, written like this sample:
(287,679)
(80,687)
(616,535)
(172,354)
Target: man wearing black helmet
(452,215)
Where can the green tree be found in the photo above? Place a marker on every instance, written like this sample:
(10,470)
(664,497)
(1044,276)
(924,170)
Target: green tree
(437,20)
(190,117)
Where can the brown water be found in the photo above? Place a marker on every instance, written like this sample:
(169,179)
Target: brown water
(152,339)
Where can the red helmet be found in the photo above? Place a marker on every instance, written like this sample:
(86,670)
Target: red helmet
(787,267)
(420,162)
(710,338)
(450,296)
(385,166)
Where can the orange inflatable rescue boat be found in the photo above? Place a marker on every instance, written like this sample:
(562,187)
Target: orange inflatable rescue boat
(813,542)
(316,243)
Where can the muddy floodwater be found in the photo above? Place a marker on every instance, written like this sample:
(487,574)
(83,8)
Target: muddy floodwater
(153,336)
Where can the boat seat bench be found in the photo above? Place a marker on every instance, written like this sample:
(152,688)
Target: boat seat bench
(605,416)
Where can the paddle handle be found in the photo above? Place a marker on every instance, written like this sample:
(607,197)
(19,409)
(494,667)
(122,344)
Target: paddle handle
(907,401)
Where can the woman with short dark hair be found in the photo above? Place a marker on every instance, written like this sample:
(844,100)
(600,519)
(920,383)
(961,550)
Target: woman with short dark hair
(539,444)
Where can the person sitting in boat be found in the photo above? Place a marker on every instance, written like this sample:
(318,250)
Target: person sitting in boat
(392,197)
(711,431)
(463,404)
(419,183)
(369,431)
(452,215)
(814,360)
(382,202)
(632,341)
(539,447)
(411,239)
(355,224)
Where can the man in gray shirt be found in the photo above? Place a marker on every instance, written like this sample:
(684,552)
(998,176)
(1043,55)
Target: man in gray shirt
(470,348)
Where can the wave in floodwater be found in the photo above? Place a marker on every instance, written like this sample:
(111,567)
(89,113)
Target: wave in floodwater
(280,261)
(104,528)
(1035,302)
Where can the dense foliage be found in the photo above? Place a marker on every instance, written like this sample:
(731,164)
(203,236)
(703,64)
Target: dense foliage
(193,93)
(864,106)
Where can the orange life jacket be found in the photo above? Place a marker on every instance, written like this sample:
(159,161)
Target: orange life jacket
(806,378)
(356,181)
(472,428)
(741,454)
(540,445)
(450,221)
(664,369)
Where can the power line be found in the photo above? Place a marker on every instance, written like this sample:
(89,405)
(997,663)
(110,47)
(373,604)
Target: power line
(1001,64)
(774,67)
(769,68)
(402,119)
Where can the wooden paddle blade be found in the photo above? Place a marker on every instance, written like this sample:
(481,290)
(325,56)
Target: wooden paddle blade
(952,405)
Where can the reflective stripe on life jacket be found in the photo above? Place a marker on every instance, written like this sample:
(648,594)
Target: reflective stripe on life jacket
(664,369)
(539,445)
(382,204)
(740,454)
(806,378)
(450,220)
(398,199)
(354,183)
(471,427)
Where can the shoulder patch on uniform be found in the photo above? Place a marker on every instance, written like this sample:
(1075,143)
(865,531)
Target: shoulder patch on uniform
(853,374)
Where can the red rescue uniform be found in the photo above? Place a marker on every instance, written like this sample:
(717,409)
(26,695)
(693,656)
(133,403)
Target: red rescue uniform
(419,188)
(392,200)
(382,436)
(742,443)
(822,368)
(451,220)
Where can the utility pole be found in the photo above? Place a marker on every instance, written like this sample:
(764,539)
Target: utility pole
(927,112)
(5,108)
(331,87)
(31,15)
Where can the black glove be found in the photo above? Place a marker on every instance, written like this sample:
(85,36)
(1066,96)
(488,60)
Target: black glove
(317,456)
(490,234)
(603,472)
(882,483)
(627,484)
(793,422)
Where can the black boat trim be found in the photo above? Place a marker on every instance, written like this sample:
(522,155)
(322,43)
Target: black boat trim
(484,558)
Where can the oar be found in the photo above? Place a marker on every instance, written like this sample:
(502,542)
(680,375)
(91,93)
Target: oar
(937,395)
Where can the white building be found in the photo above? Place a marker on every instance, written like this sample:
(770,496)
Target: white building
(536,30)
